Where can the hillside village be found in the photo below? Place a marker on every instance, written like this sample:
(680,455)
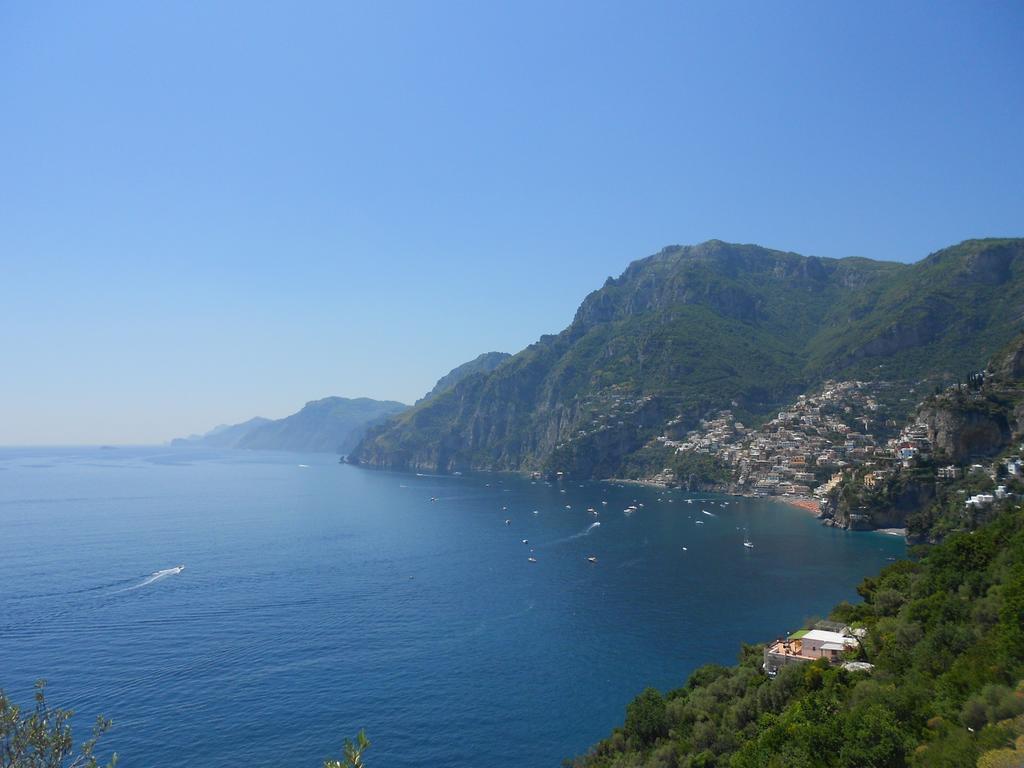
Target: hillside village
(840,450)
(799,450)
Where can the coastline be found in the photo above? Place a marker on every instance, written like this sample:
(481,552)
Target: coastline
(802,502)
(641,483)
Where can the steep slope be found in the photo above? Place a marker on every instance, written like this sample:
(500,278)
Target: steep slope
(485,363)
(951,311)
(943,683)
(696,328)
(333,424)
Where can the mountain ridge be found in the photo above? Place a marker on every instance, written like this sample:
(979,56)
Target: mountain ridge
(692,328)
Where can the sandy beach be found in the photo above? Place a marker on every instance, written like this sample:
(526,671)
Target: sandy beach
(811,505)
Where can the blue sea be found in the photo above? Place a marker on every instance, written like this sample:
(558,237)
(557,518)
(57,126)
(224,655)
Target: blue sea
(318,599)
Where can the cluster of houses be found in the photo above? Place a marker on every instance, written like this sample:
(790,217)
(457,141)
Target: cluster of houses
(812,446)
(913,446)
(818,436)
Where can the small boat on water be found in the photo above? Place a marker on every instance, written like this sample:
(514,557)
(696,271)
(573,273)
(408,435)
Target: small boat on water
(748,545)
(592,559)
(531,559)
(526,541)
(700,522)
(508,522)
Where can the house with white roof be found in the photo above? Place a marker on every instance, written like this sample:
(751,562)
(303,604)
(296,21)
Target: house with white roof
(808,645)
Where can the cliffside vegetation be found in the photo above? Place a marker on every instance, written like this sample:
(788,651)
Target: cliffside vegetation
(945,633)
(696,329)
(42,738)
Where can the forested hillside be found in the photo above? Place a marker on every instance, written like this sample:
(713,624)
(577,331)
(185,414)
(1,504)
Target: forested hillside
(697,328)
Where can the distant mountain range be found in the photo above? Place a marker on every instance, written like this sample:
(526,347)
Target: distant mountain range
(693,329)
(333,424)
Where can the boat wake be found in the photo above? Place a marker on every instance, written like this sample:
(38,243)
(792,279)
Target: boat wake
(585,532)
(155,576)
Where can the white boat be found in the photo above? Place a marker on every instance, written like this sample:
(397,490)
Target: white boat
(592,559)
(532,559)
(748,544)
(508,522)
(700,522)
(526,541)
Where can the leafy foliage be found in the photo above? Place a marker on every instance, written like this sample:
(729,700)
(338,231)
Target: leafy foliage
(352,753)
(41,737)
(946,636)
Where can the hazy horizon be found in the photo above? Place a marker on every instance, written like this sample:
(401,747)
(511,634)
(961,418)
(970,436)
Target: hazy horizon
(215,213)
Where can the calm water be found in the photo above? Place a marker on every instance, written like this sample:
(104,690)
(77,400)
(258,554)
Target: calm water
(318,599)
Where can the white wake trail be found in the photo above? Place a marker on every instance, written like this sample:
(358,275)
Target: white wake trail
(156,576)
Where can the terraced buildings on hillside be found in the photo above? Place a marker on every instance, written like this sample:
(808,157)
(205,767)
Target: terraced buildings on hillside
(801,448)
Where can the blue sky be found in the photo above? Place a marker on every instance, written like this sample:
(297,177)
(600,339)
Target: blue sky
(210,211)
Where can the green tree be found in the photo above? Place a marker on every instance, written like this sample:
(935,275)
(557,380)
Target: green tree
(353,753)
(41,738)
(646,719)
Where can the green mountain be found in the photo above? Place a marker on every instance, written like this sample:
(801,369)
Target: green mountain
(482,364)
(330,425)
(694,329)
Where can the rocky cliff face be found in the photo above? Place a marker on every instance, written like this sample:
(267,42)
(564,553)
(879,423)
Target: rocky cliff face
(695,329)
(961,430)
(906,498)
